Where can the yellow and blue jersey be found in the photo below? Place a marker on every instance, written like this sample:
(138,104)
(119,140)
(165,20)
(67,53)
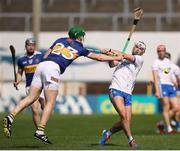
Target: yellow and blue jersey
(65,50)
(29,64)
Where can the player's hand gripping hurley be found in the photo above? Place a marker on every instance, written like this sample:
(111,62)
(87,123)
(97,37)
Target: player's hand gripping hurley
(138,12)
(14,62)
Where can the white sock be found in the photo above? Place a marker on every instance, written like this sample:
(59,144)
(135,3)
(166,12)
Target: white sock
(130,138)
(40,132)
(169,129)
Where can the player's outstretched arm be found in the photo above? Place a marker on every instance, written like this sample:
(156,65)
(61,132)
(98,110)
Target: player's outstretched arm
(103,57)
(47,53)
(128,57)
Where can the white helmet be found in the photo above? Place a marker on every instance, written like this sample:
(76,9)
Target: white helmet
(141,44)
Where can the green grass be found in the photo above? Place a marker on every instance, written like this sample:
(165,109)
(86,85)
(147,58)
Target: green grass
(79,132)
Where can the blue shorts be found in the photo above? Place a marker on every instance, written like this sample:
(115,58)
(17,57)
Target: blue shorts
(127,97)
(168,91)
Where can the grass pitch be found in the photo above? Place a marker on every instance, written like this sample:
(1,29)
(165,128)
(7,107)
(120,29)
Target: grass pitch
(82,132)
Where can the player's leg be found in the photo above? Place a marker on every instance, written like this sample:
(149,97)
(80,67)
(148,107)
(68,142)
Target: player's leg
(124,112)
(116,127)
(107,133)
(131,140)
(166,109)
(42,100)
(50,96)
(175,110)
(35,109)
(35,112)
(50,78)
(32,97)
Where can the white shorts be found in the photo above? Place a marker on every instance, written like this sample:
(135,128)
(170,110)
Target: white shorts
(41,95)
(47,76)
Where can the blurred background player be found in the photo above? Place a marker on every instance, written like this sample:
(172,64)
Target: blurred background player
(165,90)
(174,121)
(47,76)
(121,88)
(28,63)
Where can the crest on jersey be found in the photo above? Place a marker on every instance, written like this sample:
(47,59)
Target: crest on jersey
(30,61)
(167,70)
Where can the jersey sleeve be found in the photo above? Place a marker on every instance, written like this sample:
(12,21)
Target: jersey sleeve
(155,66)
(138,60)
(19,63)
(85,52)
(176,70)
(41,56)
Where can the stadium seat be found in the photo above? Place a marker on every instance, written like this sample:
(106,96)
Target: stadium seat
(61,6)
(54,24)
(172,25)
(149,6)
(105,6)
(176,6)
(93,23)
(16,6)
(12,24)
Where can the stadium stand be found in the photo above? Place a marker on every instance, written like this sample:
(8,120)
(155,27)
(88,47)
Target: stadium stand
(63,6)
(160,15)
(105,6)
(149,6)
(16,6)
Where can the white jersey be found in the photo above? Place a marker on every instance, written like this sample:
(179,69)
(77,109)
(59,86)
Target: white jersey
(125,74)
(166,70)
(176,72)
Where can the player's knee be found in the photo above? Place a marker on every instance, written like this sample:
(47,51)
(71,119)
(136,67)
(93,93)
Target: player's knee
(123,117)
(34,109)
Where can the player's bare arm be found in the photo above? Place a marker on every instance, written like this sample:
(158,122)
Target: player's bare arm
(125,56)
(155,78)
(103,57)
(111,52)
(129,57)
(47,53)
(19,76)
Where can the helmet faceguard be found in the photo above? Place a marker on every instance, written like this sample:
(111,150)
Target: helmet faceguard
(141,44)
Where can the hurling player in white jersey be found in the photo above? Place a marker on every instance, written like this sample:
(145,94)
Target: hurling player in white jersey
(176,81)
(163,69)
(175,77)
(121,88)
